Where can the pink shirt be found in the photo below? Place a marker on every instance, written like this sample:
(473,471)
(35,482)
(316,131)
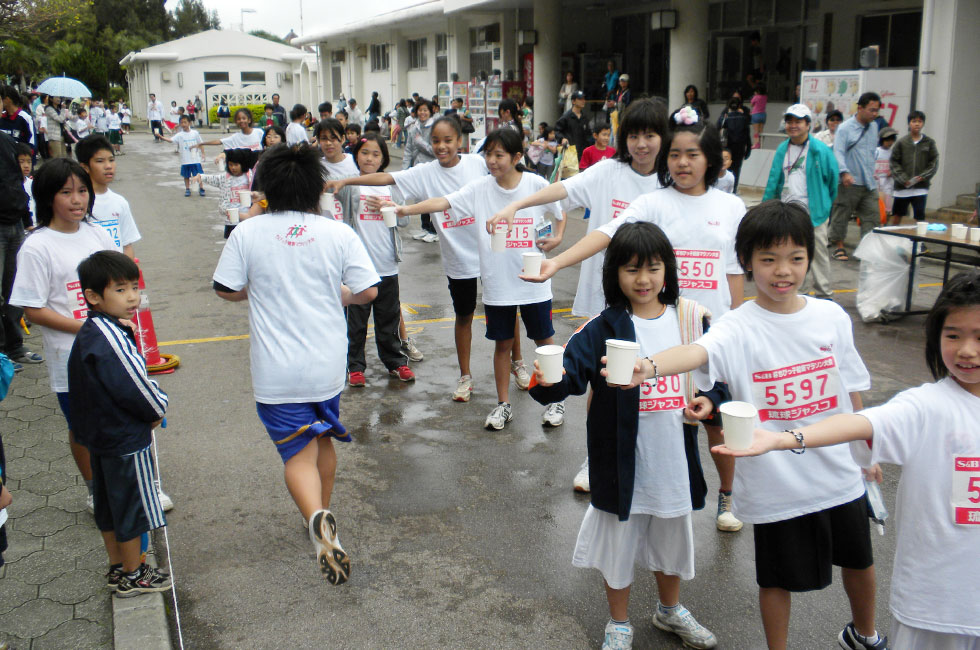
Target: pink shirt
(758,103)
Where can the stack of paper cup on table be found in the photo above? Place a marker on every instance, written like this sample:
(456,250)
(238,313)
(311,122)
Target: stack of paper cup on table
(959,231)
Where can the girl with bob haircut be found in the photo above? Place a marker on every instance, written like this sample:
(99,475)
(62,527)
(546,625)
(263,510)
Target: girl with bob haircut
(645,470)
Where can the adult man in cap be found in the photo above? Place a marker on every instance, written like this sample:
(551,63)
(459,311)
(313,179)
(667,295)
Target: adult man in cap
(572,128)
(804,170)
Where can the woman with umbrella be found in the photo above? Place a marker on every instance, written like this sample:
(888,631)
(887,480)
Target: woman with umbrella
(56,115)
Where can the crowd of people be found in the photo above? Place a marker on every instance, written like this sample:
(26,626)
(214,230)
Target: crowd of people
(662,268)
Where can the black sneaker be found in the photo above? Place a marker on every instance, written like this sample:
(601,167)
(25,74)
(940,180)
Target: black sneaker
(848,640)
(113,577)
(144,580)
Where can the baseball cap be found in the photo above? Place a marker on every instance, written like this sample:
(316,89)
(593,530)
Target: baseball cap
(624,77)
(799,110)
(887,132)
(578,94)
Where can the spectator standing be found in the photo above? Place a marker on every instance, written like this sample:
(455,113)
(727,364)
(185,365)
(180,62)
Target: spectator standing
(565,93)
(804,171)
(354,114)
(15,122)
(199,110)
(56,116)
(834,119)
(154,113)
(611,79)
(279,110)
(883,170)
(401,113)
(733,123)
(223,114)
(913,164)
(691,99)
(758,101)
(854,146)
(374,107)
(572,128)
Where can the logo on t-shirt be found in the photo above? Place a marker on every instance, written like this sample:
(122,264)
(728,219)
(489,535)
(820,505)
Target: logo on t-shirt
(295,236)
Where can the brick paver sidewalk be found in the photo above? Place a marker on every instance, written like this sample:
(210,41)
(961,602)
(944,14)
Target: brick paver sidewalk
(52,586)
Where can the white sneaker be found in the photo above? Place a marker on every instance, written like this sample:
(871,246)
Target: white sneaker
(464,388)
(619,636)
(330,556)
(165,502)
(554,415)
(500,415)
(682,623)
(519,370)
(581,481)
(419,235)
(90,504)
(725,520)
(411,350)
(430,237)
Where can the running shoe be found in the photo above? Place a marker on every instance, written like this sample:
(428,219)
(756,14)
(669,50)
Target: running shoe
(519,370)
(356,379)
(144,580)
(403,372)
(26,356)
(581,481)
(200,191)
(725,520)
(420,235)
(682,623)
(411,350)
(849,639)
(90,504)
(330,556)
(430,237)
(501,414)
(554,415)
(619,636)
(187,192)
(165,502)
(113,577)
(464,388)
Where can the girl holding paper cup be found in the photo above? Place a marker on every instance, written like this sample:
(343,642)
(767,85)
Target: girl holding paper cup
(237,178)
(645,471)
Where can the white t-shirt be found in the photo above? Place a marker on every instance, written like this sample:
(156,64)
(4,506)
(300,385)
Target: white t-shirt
(458,233)
(154,111)
(932,432)
(342,169)
(98,116)
(47,276)
(113,121)
(111,212)
(239,140)
(702,231)
(82,128)
(374,233)
(726,182)
(805,378)
(661,485)
(126,115)
(482,198)
(184,140)
(296,134)
(28,189)
(606,188)
(293,265)
(794,171)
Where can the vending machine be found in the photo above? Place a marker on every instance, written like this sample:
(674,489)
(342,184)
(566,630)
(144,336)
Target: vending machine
(460,91)
(476,102)
(495,93)
(444,91)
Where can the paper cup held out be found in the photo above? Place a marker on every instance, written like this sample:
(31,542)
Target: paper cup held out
(738,424)
(620,360)
(550,360)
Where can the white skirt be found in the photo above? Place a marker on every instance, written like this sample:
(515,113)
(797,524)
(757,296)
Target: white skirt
(906,637)
(615,547)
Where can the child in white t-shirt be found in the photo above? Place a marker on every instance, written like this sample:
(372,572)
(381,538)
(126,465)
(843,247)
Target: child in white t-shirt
(114,125)
(25,159)
(83,126)
(46,285)
(110,211)
(931,431)
(362,211)
(793,358)
(298,271)
(237,178)
(883,169)
(503,291)
(296,130)
(726,180)
(188,143)
(642,499)
(329,134)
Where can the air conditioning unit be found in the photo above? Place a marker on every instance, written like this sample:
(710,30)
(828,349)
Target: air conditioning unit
(868,57)
(165,77)
(361,51)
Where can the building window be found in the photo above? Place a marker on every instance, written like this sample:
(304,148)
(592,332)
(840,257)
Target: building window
(216,77)
(896,35)
(379,58)
(338,56)
(442,43)
(253,77)
(416,53)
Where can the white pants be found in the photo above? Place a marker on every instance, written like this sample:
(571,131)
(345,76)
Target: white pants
(819,276)
(905,637)
(615,547)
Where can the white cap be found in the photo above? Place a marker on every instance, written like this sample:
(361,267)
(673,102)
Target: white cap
(799,110)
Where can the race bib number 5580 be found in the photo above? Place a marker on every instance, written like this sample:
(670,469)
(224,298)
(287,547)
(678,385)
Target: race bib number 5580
(798,391)
(667,394)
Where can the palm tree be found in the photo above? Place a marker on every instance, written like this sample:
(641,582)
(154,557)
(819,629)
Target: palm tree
(19,60)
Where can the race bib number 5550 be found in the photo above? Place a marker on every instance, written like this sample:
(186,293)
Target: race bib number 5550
(798,391)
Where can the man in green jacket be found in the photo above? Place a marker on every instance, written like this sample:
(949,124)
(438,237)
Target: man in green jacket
(914,161)
(804,170)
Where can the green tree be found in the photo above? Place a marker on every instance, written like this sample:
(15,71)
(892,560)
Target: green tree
(190,17)
(75,60)
(261,33)
(27,19)
(19,60)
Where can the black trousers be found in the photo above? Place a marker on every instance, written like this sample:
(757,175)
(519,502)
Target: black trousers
(387,312)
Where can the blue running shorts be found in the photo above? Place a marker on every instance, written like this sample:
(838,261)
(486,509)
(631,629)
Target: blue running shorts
(293,426)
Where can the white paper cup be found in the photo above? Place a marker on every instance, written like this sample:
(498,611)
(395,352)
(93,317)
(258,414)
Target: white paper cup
(233,215)
(326,202)
(738,424)
(921,227)
(221,165)
(975,235)
(550,361)
(498,240)
(391,219)
(620,360)
(959,231)
(532,263)
(245,198)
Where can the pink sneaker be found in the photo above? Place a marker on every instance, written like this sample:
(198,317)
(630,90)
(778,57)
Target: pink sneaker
(403,372)
(356,379)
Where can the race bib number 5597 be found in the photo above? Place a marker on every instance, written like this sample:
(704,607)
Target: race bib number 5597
(798,391)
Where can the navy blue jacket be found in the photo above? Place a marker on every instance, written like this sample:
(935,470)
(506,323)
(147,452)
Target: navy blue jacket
(113,401)
(613,416)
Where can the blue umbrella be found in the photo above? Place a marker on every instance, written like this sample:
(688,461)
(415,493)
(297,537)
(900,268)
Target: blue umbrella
(64,87)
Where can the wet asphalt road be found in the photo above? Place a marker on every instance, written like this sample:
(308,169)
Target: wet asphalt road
(458,537)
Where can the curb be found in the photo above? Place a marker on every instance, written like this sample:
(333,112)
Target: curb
(141,622)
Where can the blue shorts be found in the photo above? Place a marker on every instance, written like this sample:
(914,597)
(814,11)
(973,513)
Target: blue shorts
(293,426)
(187,171)
(536,317)
(758,118)
(65,405)
(125,495)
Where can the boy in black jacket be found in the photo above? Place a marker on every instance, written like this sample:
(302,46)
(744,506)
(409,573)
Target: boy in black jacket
(114,408)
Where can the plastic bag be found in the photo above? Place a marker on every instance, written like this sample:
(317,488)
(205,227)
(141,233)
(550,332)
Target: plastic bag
(884,274)
(6,375)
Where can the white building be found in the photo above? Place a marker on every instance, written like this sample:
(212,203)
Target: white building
(665,45)
(221,64)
